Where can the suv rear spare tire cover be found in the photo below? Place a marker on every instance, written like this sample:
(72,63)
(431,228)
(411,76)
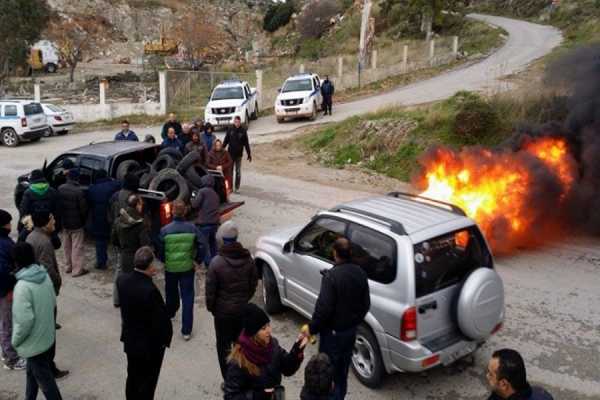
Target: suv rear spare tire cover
(480,305)
(166,180)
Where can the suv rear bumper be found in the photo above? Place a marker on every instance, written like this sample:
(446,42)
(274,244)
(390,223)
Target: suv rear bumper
(414,357)
(30,135)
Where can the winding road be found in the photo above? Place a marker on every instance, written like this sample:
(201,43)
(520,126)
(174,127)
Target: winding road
(552,313)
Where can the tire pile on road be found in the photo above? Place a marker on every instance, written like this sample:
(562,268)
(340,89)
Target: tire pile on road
(171,172)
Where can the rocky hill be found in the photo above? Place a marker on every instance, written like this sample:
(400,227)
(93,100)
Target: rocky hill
(122,26)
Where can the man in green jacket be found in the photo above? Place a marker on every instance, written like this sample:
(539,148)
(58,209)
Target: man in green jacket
(181,247)
(34,330)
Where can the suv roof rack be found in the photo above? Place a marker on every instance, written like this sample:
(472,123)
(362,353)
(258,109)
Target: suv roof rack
(431,202)
(395,226)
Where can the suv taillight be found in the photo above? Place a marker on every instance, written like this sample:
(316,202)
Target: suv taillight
(408,328)
(23,122)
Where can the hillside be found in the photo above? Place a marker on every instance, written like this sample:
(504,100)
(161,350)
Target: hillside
(120,27)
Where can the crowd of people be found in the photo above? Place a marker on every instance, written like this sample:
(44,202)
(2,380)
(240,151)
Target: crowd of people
(225,156)
(252,362)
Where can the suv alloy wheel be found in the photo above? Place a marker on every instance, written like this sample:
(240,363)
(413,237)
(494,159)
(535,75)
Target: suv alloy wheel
(10,137)
(366,358)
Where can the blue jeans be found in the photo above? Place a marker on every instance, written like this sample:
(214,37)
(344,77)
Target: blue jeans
(101,252)
(180,285)
(338,346)
(210,237)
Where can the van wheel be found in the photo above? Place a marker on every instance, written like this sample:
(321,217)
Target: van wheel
(51,68)
(367,364)
(270,291)
(10,137)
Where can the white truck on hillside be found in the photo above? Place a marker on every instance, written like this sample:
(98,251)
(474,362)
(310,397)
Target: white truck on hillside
(230,99)
(300,96)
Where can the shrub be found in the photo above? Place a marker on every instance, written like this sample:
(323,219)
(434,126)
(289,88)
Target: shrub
(313,22)
(311,49)
(475,117)
(278,15)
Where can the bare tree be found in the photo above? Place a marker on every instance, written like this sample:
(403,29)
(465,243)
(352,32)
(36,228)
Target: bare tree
(73,40)
(200,38)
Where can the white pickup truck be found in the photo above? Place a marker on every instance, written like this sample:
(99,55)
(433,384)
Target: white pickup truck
(230,99)
(300,96)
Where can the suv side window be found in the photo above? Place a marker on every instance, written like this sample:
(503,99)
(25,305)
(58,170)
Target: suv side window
(10,110)
(318,237)
(374,252)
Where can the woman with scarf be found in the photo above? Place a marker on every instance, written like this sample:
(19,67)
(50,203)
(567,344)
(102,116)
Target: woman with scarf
(219,159)
(257,362)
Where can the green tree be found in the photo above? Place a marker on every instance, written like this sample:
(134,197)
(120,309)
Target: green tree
(278,15)
(21,24)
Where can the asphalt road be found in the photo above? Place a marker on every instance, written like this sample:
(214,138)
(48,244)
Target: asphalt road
(553,311)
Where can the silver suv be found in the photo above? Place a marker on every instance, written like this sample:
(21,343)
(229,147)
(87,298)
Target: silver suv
(21,121)
(435,296)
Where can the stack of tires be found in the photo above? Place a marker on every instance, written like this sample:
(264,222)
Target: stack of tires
(171,172)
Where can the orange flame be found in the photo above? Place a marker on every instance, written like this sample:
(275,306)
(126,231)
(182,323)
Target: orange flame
(493,187)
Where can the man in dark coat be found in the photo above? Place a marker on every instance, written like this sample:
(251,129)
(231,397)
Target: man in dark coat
(40,197)
(230,284)
(343,303)
(129,234)
(74,210)
(206,205)
(98,198)
(507,377)
(125,133)
(118,201)
(146,329)
(171,123)
(236,140)
(7,285)
(327,91)
(318,378)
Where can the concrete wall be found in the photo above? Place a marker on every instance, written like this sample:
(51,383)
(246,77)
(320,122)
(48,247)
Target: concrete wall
(95,112)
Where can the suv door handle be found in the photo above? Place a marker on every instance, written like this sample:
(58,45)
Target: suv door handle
(424,307)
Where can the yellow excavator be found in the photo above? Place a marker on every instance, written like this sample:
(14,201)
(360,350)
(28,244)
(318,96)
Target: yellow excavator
(162,47)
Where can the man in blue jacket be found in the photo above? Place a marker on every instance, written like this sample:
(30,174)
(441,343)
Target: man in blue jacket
(172,141)
(125,133)
(99,195)
(181,248)
(327,91)
(7,284)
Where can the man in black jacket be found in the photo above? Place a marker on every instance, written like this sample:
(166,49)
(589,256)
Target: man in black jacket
(40,197)
(230,284)
(74,210)
(343,302)
(236,140)
(327,91)
(171,123)
(146,327)
(507,377)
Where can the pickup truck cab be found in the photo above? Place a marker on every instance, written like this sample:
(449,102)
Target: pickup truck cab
(91,158)
(231,99)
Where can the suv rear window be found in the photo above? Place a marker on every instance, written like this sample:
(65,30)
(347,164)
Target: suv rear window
(447,260)
(33,108)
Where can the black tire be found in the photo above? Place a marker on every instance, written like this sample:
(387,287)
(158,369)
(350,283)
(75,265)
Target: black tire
(126,167)
(146,178)
(163,161)
(367,363)
(172,183)
(10,137)
(51,68)
(280,120)
(187,161)
(254,115)
(194,175)
(270,291)
(49,132)
(174,153)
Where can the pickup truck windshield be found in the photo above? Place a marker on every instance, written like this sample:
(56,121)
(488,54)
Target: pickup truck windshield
(33,108)
(302,85)
(228,93)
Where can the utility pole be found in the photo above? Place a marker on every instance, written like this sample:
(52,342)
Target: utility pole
(362,45)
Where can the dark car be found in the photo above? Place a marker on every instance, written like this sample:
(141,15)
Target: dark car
(109,156)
